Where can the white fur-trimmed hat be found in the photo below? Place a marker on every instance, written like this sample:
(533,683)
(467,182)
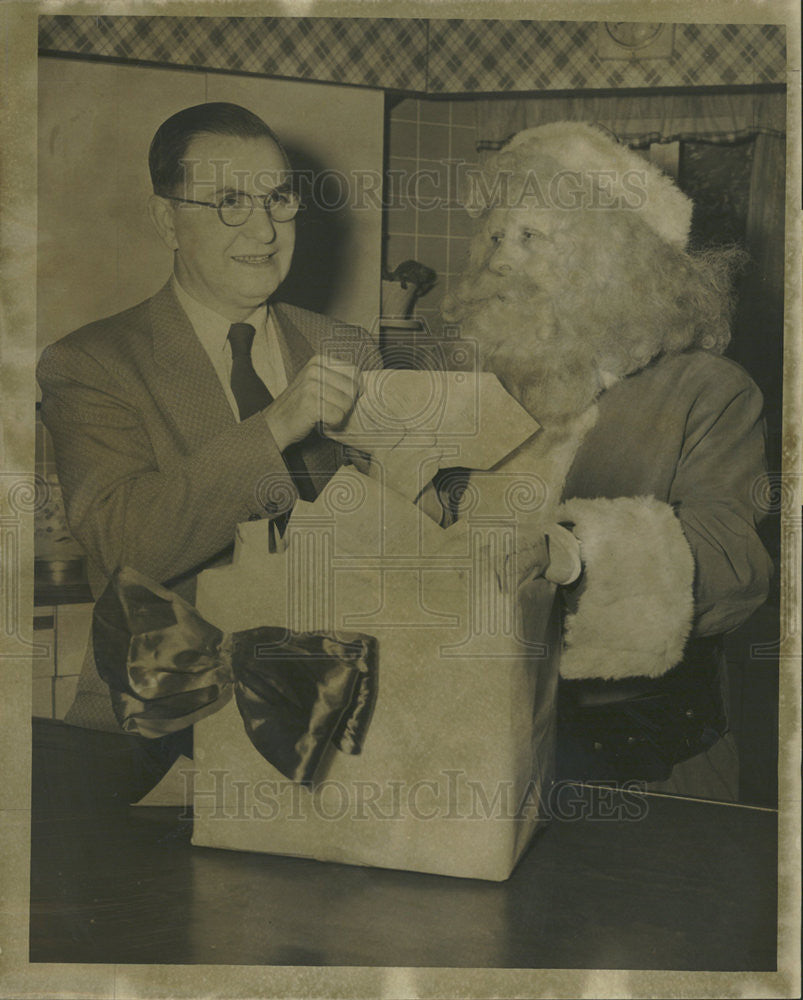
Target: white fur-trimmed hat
(582,148)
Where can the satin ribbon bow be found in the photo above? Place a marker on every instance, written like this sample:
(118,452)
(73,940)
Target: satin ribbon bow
(167,668)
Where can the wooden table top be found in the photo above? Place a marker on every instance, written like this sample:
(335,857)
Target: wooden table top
(669,884)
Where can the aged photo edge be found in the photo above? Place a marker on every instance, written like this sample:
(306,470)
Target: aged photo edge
(18,977)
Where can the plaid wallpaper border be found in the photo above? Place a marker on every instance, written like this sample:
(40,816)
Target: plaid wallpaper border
(371,52)
(562,55)
(425,56)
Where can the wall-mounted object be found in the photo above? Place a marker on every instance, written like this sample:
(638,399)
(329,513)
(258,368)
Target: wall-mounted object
(634,40)
(402,287)
(437,56)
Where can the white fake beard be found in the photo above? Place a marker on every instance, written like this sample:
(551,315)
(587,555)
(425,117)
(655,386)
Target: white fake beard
(548,367)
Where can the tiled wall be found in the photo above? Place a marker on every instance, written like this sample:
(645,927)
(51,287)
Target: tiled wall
(425,140)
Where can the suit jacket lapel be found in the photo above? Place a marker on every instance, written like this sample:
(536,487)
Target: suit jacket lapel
(189,390)
(185,380)
(321,455)
(296,349)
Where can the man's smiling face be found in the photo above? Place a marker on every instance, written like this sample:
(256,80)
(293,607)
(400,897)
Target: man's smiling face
(231,269)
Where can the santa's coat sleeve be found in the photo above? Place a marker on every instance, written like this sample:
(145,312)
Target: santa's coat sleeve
(655,571)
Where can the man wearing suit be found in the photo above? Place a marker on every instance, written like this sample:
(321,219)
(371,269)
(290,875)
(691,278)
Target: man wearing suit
(203,406)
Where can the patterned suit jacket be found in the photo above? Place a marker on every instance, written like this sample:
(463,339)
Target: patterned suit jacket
(155,469)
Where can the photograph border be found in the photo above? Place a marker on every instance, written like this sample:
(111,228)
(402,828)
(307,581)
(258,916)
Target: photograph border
(18,233)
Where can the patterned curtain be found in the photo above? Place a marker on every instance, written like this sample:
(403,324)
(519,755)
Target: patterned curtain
(640,119)
(760,320)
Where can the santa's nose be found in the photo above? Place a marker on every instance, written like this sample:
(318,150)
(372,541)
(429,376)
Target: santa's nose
(501,266)
(502,260)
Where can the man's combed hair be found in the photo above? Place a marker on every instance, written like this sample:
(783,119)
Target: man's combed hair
(173,137)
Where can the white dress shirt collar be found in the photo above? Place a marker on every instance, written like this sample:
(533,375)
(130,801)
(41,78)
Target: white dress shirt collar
(212,331)
(211,328)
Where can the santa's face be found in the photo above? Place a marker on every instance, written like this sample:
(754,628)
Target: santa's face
(517,302)
(525,243)
(558,300)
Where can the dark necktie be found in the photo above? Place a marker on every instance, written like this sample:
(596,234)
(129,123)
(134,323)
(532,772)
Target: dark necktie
(252,395)
(250,392)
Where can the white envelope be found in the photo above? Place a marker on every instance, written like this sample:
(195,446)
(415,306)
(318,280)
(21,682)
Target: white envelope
(458,418)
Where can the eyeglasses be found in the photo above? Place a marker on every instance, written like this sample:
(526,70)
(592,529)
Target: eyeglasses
(236,208)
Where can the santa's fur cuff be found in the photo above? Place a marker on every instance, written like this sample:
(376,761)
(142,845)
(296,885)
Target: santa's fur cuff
(636,605)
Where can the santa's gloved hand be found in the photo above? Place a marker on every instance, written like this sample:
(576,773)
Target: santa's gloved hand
(553,553)
(510,568)
(531,559)
(565,562)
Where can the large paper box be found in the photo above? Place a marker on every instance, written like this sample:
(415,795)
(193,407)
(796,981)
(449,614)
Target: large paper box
(459,751)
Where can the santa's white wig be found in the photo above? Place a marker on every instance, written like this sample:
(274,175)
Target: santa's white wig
(624,281)
(567,159)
